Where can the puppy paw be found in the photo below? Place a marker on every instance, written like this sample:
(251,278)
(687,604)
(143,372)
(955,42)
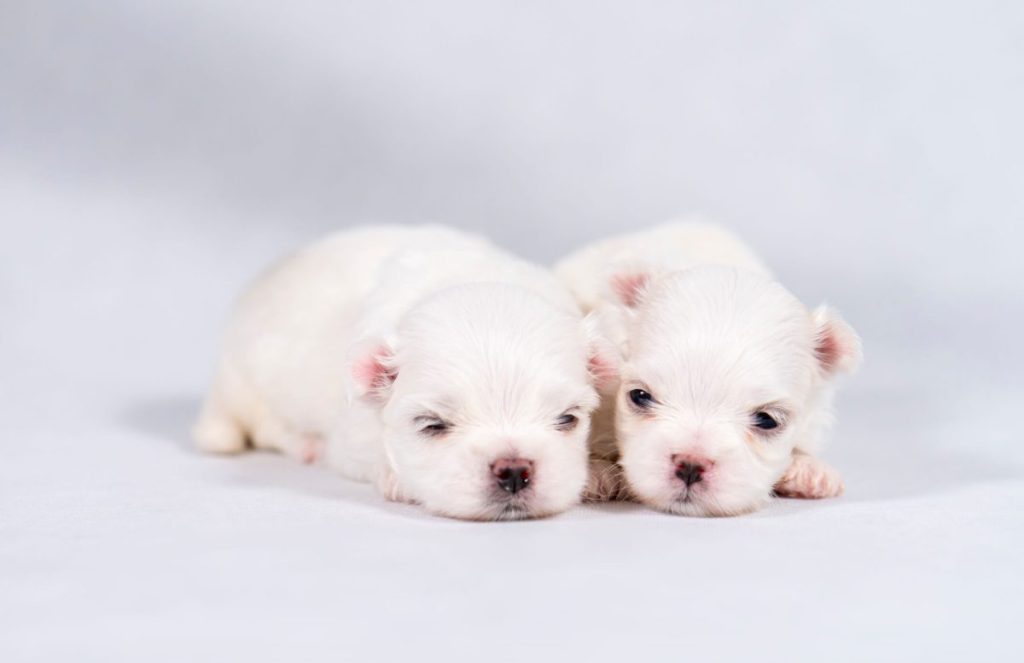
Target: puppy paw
(604,482)
(218,437)
(809,478)
(311,448)
(387,485)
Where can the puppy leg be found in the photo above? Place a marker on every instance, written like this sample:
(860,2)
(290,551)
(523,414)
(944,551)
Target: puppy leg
(217,431)
(309,448)
(605,482)
(278,435)
(315,448)
(809,478)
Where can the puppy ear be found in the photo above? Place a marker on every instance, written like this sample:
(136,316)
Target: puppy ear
(629,285)
(836,345)
(603,358)
(373,370)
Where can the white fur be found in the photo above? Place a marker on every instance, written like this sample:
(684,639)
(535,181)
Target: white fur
(705,329)
(346,346)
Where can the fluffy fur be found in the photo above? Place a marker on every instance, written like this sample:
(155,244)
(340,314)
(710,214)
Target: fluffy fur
(738,373)
(420,359)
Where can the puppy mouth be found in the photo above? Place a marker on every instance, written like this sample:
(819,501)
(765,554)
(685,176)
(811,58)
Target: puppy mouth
(513,507)
(689,502)
(687,497)
(686,503)
(513,511)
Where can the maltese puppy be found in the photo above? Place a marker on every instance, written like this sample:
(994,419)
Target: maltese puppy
(727,379)
(421,359)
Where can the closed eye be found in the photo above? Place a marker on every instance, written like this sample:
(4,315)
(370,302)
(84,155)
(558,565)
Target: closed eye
(432,425)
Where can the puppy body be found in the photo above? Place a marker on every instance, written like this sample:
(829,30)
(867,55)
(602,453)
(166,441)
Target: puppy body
(421,359)
(727,380)
(595,271)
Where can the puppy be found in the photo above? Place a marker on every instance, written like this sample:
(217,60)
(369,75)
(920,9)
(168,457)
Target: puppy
(727,379)
(421,359)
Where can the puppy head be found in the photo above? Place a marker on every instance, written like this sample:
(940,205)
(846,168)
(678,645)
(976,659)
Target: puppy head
(485,396)
(725,375)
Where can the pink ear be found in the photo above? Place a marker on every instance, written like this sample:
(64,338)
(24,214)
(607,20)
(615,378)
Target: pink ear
(602,356)
(629,287)
(837,346)
(603,369)
(373,371)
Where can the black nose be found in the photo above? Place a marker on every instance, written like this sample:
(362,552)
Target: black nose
(690,473)
(513,475)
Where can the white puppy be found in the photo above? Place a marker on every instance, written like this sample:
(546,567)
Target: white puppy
(427,361)
(727,380)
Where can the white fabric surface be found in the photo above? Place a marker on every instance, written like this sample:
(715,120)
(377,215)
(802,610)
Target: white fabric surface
(154,159)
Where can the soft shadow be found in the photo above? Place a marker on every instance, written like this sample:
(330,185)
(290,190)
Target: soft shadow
(170,420)
(918,471)
(895,442)
(617,507)
(266,470)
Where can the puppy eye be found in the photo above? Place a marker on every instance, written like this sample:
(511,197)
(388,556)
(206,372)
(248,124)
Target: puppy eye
(641,399)
(765,421)
(433,426)
(567,422)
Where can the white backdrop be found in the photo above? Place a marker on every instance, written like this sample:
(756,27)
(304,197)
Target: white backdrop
(153,158)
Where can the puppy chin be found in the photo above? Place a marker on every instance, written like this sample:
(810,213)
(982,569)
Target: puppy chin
(709,506)
(700,500)
(518,507)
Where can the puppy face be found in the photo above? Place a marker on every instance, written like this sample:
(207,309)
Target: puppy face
(485,399)
(724,377)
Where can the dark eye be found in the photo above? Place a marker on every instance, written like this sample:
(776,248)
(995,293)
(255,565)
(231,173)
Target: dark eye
(641,398)
(433,426)
(765,421)
(567,422)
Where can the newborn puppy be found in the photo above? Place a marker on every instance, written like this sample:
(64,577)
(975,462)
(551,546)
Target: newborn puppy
(727,380)
(424,360)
